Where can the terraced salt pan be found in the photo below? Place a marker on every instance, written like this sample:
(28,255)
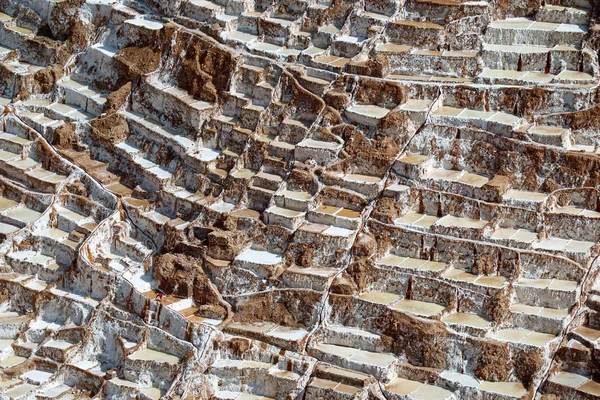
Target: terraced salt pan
(37,376)
(5,343)
(260,257)
(59,344)
(467,319)
(23,213)
(153,355)
(20,390)
(417,390)
(44,325)
(145,23)
(153,393)
(11,361)
(413,263)
(524,336)
(55,391)
(418,307)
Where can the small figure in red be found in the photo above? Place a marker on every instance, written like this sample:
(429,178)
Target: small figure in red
(159,296)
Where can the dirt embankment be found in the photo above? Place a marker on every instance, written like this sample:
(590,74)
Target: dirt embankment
(205,70)
(180,275)
(109,130)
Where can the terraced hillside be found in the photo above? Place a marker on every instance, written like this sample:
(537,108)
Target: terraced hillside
(299,199)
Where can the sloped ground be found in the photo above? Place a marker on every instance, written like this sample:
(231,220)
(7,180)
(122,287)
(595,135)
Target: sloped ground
(299,200)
